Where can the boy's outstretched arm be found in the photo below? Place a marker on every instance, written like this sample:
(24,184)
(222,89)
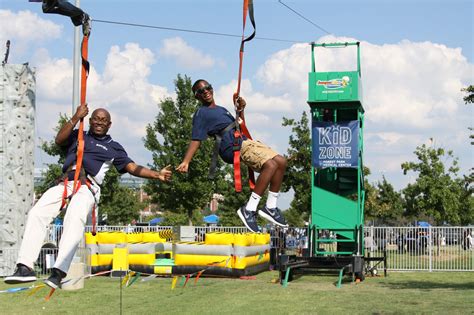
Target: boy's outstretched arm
(192,148)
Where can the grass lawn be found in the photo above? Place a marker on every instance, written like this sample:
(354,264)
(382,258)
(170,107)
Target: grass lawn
(399,293)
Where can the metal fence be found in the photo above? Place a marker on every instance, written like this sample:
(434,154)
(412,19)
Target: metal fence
(45,262)
(129,228)
(423,248)
(201,231)
(407,248)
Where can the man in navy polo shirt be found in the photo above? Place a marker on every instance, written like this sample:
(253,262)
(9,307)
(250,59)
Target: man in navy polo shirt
(100,154)
(214,120)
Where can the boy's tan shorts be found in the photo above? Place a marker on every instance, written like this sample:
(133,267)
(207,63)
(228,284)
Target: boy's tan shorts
(254,154)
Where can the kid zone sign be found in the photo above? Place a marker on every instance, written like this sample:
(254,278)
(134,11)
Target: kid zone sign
(335,144)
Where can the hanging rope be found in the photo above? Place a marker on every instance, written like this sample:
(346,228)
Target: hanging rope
(80,136)
(248,7)
(78,17)
(241,127)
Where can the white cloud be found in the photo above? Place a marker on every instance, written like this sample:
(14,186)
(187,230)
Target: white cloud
(259,119)
(24,28)
(123,88)
(54,77)
(420,83)
(287,69)
(256,101)
(411,90)
(185,55)
(411,93)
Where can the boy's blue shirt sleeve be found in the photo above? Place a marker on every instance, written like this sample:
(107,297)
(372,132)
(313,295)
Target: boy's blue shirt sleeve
(199,132)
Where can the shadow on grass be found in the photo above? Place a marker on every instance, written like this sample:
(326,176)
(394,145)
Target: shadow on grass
(323,276)
(429,285)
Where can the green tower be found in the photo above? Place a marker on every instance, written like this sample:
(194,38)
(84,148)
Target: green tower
(337,190)
(336,227)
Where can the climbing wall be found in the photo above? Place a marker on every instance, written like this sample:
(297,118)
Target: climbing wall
(17,113)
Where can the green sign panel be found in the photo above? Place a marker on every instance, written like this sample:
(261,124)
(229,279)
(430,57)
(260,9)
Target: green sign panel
(334,86)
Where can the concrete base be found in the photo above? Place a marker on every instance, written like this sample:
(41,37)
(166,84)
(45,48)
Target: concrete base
(76,271)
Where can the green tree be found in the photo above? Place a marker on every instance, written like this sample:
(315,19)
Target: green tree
(298,174)
(174,219)
(437,191)
(370,205)
(120,204)
(389,202)
(168,138)
(469,98)
(469,179)
(295,217)
(54,170)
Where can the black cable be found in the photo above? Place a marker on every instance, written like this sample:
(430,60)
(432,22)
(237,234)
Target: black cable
(7,52)
(192,31)
(121,291)
(300,15)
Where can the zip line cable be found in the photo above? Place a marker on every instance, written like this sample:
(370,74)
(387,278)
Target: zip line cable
(193,31)
(300,15)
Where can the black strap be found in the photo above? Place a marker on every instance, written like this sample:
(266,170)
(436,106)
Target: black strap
(63,7)
(217,144)
(70,175)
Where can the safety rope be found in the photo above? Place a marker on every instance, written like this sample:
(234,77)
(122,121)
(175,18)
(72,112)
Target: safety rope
(80,136)
(80,176)
(241,127)
(78,17)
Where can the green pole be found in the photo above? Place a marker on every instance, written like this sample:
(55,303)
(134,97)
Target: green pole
(287,275)
(358,59)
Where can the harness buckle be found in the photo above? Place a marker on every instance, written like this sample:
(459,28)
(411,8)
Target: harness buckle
(236,144)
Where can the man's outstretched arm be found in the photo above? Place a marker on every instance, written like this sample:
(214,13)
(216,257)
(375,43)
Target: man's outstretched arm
(141,171)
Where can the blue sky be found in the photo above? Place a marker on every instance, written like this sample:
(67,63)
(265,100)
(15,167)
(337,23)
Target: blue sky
(416,55)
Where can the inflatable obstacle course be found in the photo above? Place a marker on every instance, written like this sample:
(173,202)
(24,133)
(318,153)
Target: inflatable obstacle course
(140,248)
(224,254)
(221,254)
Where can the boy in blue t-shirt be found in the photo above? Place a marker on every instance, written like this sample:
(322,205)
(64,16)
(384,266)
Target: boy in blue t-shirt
(214,120)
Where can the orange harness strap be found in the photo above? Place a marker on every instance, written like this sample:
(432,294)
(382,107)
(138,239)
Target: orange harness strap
(80,136)
(241,126)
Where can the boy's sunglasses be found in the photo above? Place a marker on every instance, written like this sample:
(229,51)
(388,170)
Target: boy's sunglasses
(202,90)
